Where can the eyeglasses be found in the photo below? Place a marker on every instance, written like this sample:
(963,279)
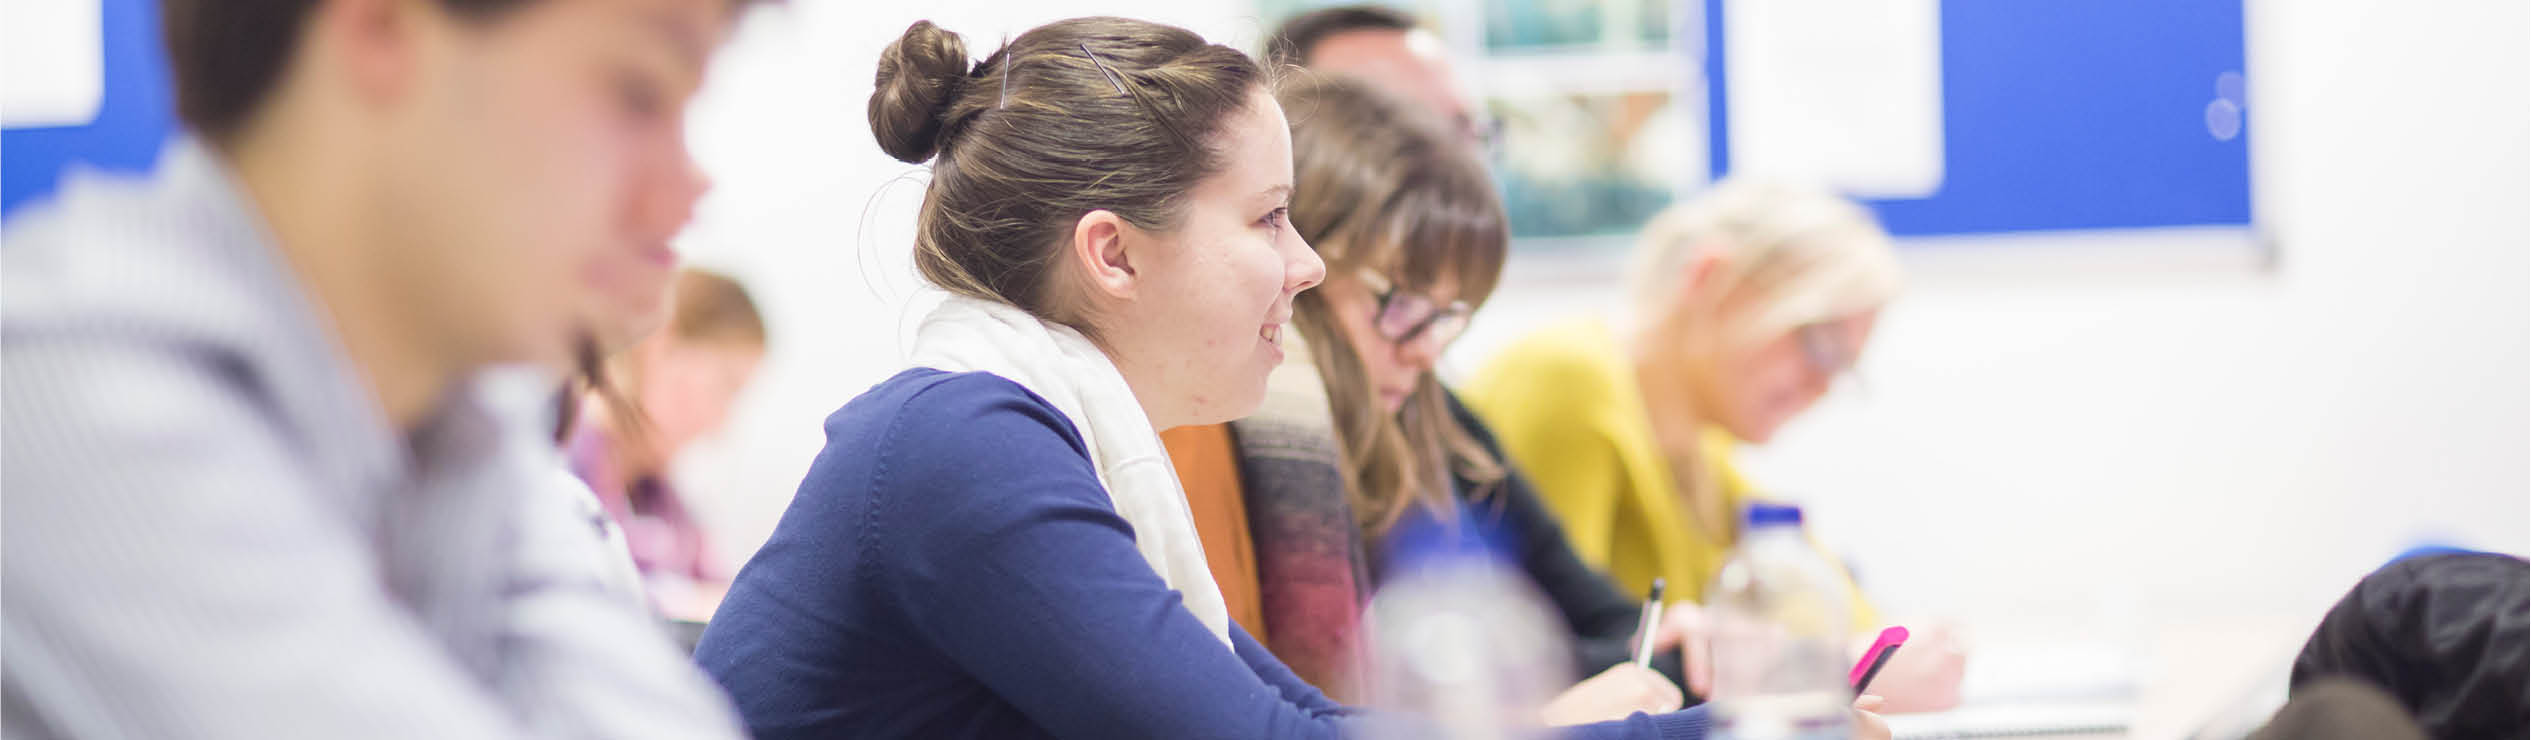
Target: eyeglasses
(1821,347)
(1486,131)
(1405,317)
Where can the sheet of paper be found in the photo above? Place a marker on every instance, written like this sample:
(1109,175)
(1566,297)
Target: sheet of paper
(52,62)
(1844,93)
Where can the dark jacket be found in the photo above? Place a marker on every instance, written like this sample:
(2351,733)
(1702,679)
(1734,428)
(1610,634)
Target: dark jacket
(2444,634)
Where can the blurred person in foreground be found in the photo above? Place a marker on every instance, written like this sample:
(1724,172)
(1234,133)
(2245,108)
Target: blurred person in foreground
(672,387)
(1748,302)
(259,483)
(2443,637)
(634,302)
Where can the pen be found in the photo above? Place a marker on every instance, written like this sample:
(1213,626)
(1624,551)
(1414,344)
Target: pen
(1651,621)
(1891,639)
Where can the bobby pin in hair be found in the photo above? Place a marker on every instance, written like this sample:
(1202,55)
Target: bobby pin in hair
(1110,74)
(1118,79)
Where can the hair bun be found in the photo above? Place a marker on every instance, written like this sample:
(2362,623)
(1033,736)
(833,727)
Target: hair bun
(919,76)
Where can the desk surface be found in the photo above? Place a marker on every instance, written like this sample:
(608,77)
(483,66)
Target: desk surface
(2169,680)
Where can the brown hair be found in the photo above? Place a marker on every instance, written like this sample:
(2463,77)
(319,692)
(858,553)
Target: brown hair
(225,56)
(1293,41)
(1071,117)
(1382,184)
(707,307)
(712,307)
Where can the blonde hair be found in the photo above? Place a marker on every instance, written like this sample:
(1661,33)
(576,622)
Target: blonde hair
(1790,256)
(1380,183)
(1797,255)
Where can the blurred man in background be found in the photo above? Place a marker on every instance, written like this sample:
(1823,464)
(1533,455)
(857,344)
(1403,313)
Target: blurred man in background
(1383,46)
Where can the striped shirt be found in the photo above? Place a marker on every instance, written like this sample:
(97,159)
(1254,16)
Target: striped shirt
(212,531)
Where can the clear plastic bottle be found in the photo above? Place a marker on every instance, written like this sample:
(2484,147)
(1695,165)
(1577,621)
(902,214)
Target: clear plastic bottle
(1780,616)
(1469,646)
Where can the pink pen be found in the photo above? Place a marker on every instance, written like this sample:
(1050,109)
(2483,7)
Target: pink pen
(1876,657)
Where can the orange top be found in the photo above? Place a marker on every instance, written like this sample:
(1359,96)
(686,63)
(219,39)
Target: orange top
(1208,468)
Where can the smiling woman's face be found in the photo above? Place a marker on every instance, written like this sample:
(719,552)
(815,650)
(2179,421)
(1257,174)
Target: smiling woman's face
(1210,298)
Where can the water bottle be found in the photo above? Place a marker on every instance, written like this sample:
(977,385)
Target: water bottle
(1779,615)
(1467,646)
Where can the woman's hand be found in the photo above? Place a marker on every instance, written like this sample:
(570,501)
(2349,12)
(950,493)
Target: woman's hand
(1685,627)
(1613,694)
(1868,724)
(1925,674)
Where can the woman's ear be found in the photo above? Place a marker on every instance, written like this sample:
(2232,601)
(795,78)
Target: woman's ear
(1705,266)
(1698,279)
(1098,248)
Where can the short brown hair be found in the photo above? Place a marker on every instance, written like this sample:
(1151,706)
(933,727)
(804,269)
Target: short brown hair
(225,56)
(1292,42)
(1071,117)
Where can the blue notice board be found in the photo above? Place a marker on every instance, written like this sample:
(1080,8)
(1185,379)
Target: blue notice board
(2068,115)
(134,118)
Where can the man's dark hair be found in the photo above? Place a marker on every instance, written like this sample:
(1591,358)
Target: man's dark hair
(1291,43)
(225,56)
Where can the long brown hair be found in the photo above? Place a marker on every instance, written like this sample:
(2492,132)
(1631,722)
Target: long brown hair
(1071,117)
(1382,184)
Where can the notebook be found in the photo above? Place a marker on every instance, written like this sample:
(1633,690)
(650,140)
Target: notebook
(2036,690)
(2064,720)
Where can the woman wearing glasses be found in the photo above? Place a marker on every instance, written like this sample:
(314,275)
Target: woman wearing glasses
(1414,238)
(1745,305)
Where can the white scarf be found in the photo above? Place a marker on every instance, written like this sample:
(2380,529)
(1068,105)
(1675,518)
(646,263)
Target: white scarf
(1060,365)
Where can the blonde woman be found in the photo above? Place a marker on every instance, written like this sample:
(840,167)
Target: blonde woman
(1746,304)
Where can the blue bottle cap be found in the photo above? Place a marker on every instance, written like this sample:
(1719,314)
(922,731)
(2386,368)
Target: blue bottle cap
(1771,514)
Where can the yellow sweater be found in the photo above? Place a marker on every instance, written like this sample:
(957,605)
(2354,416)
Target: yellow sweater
(1564,403)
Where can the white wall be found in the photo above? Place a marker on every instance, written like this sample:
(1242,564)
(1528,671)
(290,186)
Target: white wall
(819,222)
(2233,442)
(2175,434)
(2171,438)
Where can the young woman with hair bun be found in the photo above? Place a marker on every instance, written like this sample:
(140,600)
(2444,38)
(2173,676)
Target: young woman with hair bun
(993,543)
